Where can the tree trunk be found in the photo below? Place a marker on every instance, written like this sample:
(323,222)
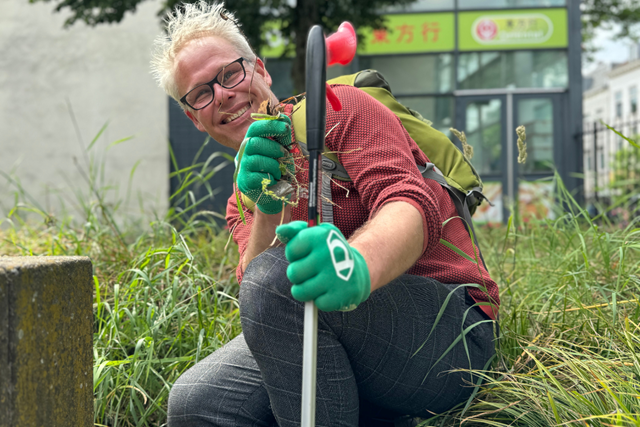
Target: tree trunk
(306,16)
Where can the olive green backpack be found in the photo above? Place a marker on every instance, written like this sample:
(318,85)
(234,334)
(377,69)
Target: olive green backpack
(449,167)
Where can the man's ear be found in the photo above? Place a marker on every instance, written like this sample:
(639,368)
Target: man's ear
(262,70)
(195,121)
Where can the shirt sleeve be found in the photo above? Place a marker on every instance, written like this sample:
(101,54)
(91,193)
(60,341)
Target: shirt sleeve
(380,158)
(240,231)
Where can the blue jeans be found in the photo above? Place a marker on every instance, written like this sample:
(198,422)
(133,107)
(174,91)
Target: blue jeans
(375,364)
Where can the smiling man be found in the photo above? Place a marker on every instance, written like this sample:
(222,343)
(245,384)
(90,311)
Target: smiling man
(379,274)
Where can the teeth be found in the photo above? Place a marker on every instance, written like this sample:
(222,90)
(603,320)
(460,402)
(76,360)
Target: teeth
(236,115)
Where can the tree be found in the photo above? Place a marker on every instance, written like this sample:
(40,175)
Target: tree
(296,18)
(623,14)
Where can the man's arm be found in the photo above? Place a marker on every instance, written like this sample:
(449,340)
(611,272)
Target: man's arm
(391,242)
(263,233)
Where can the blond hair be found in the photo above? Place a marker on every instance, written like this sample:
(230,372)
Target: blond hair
(189,22)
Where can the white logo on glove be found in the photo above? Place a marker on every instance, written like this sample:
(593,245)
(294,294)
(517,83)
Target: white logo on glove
(334,242)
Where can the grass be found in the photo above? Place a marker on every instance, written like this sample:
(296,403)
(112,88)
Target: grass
(165,297)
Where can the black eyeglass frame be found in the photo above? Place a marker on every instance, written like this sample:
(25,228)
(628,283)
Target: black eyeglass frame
(214,81)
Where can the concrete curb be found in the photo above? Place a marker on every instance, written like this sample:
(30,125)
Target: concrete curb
(46,327)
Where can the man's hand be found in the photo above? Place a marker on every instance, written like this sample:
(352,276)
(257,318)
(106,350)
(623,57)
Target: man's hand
(323,267)
(262,158)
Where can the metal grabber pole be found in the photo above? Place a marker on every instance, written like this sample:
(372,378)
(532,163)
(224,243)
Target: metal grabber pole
(316,71)
(339,48)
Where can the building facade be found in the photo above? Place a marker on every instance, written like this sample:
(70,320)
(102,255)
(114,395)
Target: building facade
(485,67)
(611,99)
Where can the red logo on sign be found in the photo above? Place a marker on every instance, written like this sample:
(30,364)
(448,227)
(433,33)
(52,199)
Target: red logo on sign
(486,29)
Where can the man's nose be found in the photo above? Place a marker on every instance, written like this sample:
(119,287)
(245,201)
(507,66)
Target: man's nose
(220,94)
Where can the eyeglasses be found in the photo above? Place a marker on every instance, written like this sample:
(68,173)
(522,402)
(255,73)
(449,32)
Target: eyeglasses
(229,77)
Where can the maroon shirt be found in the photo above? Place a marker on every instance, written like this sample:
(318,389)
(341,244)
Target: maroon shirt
(380,157)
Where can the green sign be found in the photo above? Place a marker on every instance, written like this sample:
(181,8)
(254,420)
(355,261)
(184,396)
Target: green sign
(512,29)
(406,33)
(411,33)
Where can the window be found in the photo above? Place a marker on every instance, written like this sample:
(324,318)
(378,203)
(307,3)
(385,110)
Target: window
(413,74)
(522,69)
(502,4)
(422,6)
(618,97)
(633,99)
(484,133)
(537,117)
(438,109)
(589,162)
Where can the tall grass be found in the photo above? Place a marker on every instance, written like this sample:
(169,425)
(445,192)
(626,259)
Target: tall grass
(165,297)
(569,348)
(165,293)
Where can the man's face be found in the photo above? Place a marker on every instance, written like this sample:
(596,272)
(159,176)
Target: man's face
(199,62)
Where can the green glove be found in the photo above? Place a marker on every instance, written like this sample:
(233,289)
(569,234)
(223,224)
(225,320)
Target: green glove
(260,157)
(323,267)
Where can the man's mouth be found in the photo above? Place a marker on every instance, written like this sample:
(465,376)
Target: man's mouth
(235,116)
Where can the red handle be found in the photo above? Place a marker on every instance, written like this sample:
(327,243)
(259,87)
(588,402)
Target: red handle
(341,46)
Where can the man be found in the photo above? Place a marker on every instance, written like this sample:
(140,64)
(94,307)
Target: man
(389,297)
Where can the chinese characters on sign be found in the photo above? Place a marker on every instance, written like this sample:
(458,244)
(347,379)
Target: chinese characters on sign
(380,36)
(433,32)
(432,28)
(429,32)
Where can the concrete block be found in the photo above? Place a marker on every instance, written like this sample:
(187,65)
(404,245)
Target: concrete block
(46,330)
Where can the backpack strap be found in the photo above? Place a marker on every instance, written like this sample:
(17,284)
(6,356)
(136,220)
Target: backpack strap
(333,169)
(326,201)
(460,200)
(330,163)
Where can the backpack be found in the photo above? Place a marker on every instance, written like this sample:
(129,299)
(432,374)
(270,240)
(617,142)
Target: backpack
(449,167)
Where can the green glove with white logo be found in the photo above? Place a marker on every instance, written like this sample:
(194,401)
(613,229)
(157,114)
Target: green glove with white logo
(264,155)
(323,267)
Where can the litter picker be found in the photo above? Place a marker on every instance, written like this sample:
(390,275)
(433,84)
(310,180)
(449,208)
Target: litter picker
(338,48)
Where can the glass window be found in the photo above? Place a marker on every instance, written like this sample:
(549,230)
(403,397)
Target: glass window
(521,69)
(438,109)
(483,128)
(618,97)
(537,117)
(408,75)
(633,99)
(502,4)
(422,6)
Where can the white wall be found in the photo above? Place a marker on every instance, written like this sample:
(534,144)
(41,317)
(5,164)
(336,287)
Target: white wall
(621,80)
(595,107)
(599,104)
(103,72)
